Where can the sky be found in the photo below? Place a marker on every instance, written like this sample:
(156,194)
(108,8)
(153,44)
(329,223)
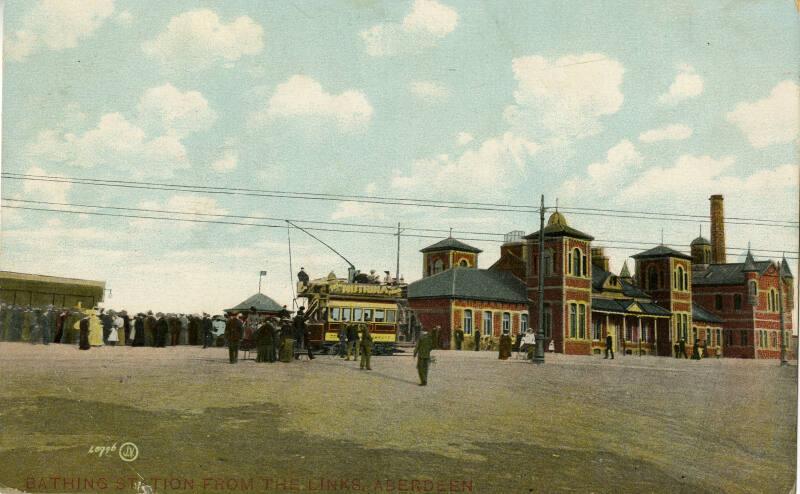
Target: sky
(627,105)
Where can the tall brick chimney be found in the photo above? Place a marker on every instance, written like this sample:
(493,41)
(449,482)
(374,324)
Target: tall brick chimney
(717,230)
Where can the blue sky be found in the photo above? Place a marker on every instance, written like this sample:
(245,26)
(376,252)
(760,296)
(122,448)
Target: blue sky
(638,105)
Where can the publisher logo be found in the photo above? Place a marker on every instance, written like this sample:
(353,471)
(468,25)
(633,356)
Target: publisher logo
(128,452)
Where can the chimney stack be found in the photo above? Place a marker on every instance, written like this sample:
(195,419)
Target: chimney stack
(717,230)
(599,258)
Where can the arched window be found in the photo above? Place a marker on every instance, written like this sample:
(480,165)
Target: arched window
(506,323)
(463,263)
(652,278)
(548,262)
(488,330)
(686,281)
(681,282)
(773,300)
(523,323)
(752,292)
(468,321)
(581,321)
(707,257)
(573,320)
(438,266)
(576,262)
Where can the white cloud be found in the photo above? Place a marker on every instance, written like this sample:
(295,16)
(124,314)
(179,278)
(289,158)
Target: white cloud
(124,18)
(489,168)
(181,113)
(464,138)
(198,39)
(151,146)
(188,204)
(427,23)
(302,96)
(45,191)
(429,91)
(565,97)
(353,209)
(772,120)
(605,177)
(674,132)
(687,84)
(226,163)
(56,25)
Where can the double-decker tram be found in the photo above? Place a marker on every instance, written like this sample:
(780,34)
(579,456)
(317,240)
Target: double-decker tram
(333,303)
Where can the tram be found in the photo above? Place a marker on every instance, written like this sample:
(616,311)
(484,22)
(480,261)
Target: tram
(335,302)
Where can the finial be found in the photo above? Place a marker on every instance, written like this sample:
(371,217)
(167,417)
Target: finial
(662,236)
(748,246)
(556,204)
(451,232)
(701,229)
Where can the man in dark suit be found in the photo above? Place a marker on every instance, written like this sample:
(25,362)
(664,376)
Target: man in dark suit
(233,333)
(609,346)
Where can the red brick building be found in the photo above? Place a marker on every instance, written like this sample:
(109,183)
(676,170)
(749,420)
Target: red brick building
(490,303)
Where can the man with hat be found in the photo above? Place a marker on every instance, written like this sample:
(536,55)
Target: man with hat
(422,352)
(233,333)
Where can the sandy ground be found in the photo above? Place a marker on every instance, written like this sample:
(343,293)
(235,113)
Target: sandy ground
(575,424)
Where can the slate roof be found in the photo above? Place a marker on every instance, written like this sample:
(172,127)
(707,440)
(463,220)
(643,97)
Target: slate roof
(599,277)
(702,315)
(561,230)
(701,240)
(661,251)
(451,244)
(472,284)
(785,271)
(261,302)
(622,306)
(725,274)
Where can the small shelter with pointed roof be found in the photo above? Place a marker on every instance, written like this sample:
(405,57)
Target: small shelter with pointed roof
(263,304)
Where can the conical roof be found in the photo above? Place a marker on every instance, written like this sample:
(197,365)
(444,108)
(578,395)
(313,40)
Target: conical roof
(661,251)
(625,272)
(749,263)
(700,241)
(785,271)
(261,302)
(451,244)
(557,227)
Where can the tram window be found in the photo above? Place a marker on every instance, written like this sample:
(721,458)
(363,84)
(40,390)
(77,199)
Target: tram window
(345,313)
(368,314)
(357,314)
(390,316)
(379,315)
(335,313)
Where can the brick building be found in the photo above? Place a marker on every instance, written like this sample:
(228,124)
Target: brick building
(463,296)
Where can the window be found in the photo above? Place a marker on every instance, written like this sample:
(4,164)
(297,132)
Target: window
(345,313)
(367,314)
(685,281)
(743,338)
(753,292)
(681,279)
(737,301)
(628,332)
(585,266)
(645,330)
(582,321)
(573,320)
(718,302)
(774,339)
(468,321)
(523,323)
(547,321)
(577,262)
(463,263)
(728,338)
(390,316)
(597,329)
(685,318)
(335,313)
(675,280)
(357,312)
(719,337)
(506,323)
(488,328)
(694,335)
(652,278)
(548,262)
(438,266)
(380,315)
(773,301)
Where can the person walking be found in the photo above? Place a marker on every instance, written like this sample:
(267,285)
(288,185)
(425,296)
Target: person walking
(696,350)
(83,344)
(459,338)
(299,326)
(477,340)
(263,337)
(682,348)
(207,328)
(609,346)
(366,347)
(342,341)
(352,340)
(422,352)
(233,333)
(113,332)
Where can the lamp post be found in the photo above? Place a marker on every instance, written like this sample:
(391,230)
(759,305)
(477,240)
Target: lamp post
(538,357)
(261,274)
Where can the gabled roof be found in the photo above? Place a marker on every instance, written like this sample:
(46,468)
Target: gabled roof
(451,244)
(749,263)
(786,272)
(599,277)
(702,315)
(628,306)
(726,274)
(661,251)
(472,284)
(261,302)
